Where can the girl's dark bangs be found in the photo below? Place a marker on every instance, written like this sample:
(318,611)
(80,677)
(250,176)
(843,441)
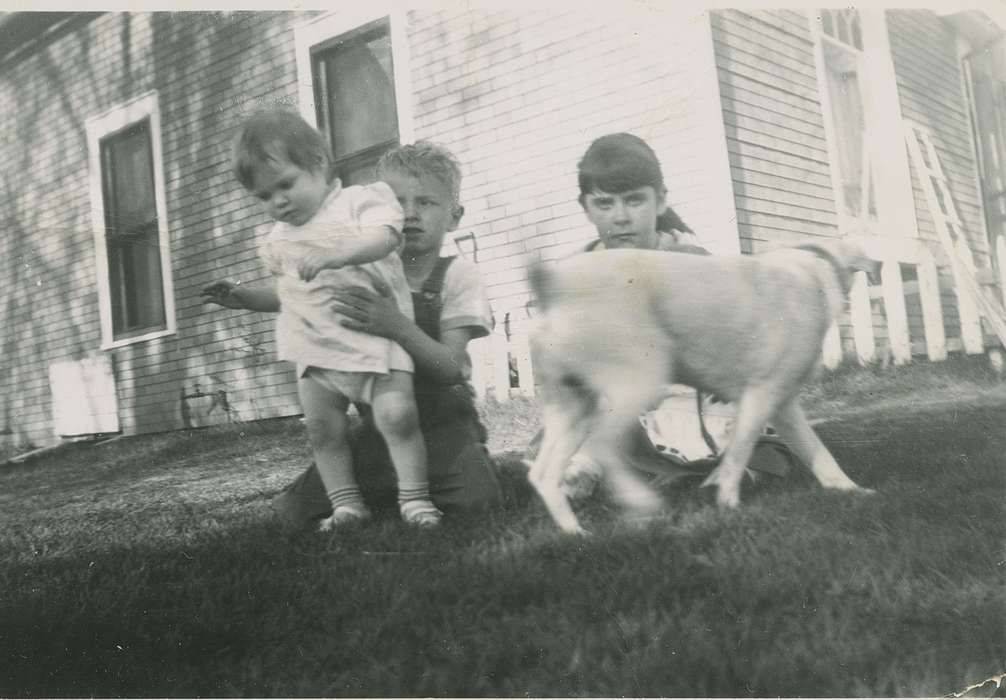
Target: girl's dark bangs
(620,175)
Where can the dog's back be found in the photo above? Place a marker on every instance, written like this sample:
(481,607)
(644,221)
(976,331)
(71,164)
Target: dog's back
(726,319)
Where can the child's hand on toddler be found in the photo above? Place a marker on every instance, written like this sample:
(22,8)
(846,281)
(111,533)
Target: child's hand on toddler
(315,261)
(374,312)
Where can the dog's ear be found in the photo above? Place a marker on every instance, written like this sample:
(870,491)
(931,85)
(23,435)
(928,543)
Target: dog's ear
(542,280)
(872,271)
(856,259)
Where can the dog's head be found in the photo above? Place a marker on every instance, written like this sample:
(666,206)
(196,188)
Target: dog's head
(848,258)
(855,259)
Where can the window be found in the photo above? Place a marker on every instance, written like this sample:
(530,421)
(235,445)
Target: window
(134,260)
(127,195)
(356,86)
(843,69)
(355,100)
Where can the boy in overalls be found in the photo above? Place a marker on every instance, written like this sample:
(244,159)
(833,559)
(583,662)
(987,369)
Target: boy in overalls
(451,309)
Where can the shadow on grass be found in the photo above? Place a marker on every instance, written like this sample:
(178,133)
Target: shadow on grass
(165,576)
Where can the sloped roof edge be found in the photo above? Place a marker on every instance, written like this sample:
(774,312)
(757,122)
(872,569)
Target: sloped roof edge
(979,23)
(19,30)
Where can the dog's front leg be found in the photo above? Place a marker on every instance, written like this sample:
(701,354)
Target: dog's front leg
(793,428)
(753,411)
(613,440)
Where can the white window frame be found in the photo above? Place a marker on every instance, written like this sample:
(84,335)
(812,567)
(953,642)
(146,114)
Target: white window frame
(98,127)
(891,176)
(324,28)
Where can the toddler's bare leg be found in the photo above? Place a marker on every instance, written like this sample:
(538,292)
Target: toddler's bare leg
(327,429)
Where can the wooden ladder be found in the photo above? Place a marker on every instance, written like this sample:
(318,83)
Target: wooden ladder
(974,301)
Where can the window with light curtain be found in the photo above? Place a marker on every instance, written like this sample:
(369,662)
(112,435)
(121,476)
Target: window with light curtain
(355,98)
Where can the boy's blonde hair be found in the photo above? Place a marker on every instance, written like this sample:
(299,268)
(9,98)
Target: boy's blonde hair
(424,157)
(271,135)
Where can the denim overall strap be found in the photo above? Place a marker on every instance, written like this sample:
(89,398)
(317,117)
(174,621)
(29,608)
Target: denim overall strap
(427,302)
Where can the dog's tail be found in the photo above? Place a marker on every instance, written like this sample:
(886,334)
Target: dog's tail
(542,281)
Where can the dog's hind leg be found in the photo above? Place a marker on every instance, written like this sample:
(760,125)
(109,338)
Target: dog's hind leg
(793,428)
(753,411)
(566,419)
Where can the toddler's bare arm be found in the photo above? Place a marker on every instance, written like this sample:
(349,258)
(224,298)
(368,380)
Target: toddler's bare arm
(368,244)
(234,295)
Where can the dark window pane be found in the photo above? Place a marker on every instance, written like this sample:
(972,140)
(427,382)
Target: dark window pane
(132,242)
(826,23)
(130,178)
(857,35)
(843,30)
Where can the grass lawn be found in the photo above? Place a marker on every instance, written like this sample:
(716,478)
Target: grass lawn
(151,566)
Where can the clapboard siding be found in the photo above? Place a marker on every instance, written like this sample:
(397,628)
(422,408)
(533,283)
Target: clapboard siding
(207,70)
(931,91)
(742,156)
(768,96)
(763,69)
(785,225)
(794,22)
(775,130)
(794,124)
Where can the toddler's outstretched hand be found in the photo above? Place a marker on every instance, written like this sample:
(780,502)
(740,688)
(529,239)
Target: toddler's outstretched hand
(223,293)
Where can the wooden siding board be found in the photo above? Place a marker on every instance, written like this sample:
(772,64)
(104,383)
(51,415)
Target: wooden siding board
(764,94)
(781,197)
(764,28)
(760,133)
(788,224)
(755,65)
(772,207)
(792,22)
(806,130)
(771,179)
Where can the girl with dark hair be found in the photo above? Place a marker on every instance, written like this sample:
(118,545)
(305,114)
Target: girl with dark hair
(623,194)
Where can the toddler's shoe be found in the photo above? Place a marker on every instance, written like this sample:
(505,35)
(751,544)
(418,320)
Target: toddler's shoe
(344,515)
(420,513)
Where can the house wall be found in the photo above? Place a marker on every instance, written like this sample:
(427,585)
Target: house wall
(931,92)
(774,127)
(517,96)
(207,69)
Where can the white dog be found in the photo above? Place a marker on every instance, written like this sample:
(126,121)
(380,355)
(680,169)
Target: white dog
(618,326)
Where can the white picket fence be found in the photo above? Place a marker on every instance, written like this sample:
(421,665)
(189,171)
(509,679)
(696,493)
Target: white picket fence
(882,323)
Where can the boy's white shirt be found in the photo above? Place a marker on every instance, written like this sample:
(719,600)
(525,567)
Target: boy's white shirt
(464,299)
(308,330)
